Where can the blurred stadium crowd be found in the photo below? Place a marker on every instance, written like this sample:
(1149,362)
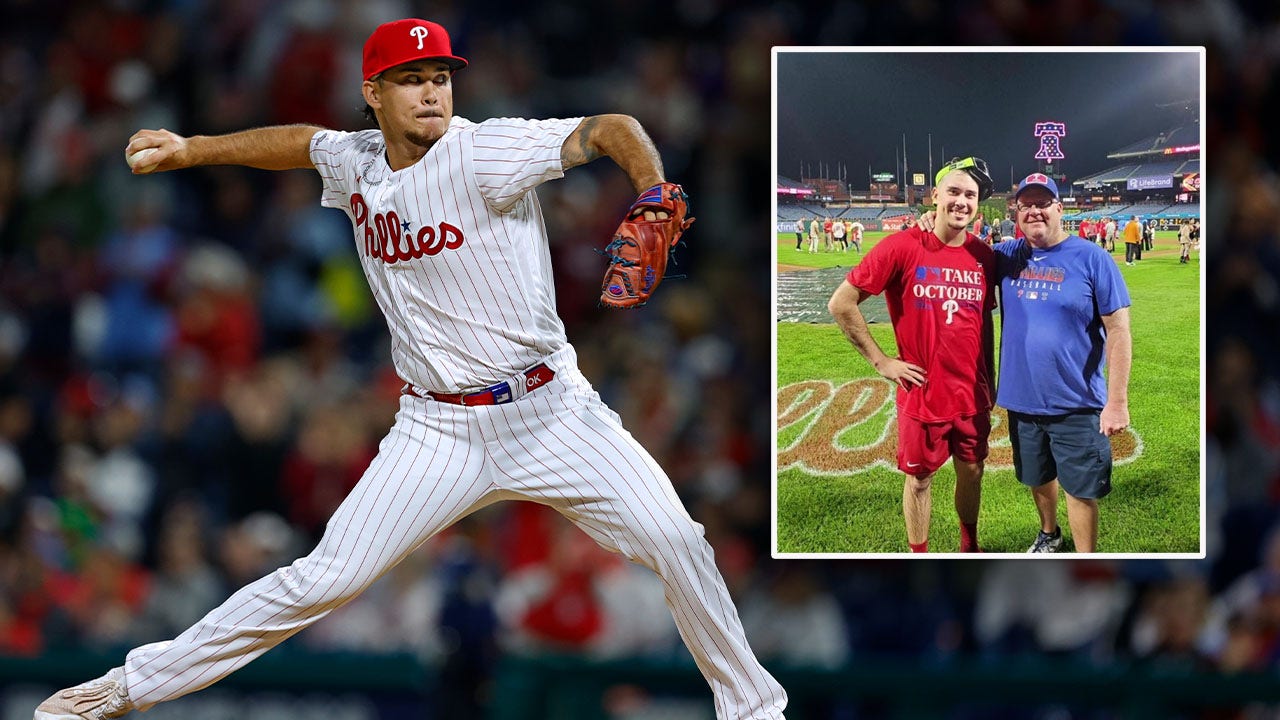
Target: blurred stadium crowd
(193,374)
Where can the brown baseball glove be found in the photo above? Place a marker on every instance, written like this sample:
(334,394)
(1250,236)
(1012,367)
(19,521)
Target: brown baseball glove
(640,248)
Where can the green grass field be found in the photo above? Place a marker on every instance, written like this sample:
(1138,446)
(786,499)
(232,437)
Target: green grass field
(839,490)
(788,255)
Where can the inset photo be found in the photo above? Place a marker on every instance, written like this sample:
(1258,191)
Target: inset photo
(988,302)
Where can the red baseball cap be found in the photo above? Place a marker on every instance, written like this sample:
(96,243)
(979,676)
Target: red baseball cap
(402,41)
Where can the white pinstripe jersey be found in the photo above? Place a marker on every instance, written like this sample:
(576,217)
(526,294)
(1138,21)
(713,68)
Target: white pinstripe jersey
(454,246)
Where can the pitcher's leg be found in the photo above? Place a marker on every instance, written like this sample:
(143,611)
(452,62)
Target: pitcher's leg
(576,456)
(428,473)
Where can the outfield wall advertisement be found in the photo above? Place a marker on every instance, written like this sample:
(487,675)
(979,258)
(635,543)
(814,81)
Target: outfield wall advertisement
(1150,182)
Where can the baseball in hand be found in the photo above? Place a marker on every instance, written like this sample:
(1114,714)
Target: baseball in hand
(138,161)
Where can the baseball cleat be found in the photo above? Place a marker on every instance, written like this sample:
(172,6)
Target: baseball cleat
(99,699)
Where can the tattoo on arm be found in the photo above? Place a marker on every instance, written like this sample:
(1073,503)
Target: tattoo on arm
(579,150)
(620,138)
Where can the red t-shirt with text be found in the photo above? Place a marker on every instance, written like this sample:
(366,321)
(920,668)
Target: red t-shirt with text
(940,300)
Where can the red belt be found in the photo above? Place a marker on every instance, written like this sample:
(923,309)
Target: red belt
(534,378)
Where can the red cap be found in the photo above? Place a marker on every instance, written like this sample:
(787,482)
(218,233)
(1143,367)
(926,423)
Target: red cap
(401,41)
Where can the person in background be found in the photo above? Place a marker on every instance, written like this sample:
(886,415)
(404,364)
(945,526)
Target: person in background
(1132,241)
(1184,241)
(854,230)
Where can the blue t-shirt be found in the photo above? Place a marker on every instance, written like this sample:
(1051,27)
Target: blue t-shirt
(1052,344)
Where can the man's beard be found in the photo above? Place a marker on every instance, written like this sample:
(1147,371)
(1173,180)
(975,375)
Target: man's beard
(420,138)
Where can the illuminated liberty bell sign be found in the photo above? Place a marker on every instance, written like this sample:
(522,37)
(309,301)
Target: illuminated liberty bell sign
(1050,134)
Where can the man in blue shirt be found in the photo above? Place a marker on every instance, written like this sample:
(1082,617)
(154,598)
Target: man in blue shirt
(1007,228)
(1065,315)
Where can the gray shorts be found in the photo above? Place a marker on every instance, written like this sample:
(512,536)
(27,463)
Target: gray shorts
(1068,447)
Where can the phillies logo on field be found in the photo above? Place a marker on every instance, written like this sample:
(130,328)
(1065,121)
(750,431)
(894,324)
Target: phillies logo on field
(392,239)
(839,430)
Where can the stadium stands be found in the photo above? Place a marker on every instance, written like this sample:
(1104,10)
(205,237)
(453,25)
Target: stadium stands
(1146,208)
(795,212)
(1176,210)
(860,213)
(792,190)
(1153,164)
(1112,175)
(1158,168)
(1122,173)
(1188,135)
(1100,212)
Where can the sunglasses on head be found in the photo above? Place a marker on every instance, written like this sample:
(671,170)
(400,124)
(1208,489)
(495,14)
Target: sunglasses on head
(977,169)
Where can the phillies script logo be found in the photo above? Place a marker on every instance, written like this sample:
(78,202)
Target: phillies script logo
(852,428)
(393,240)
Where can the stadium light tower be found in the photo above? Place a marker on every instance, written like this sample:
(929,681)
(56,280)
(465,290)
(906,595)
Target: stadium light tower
(928,179)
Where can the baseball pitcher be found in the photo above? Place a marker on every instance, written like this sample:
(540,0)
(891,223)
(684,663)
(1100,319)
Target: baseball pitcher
(451,239)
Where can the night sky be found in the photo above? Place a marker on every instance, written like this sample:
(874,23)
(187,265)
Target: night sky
(853,107)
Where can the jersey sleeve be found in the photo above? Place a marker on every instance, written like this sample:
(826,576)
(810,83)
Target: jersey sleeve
(335,155)
(872,275)
(512,156)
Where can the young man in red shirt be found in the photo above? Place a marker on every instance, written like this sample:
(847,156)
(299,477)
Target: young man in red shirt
(939,288)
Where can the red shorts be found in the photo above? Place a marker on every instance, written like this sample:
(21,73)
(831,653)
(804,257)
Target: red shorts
(924,446)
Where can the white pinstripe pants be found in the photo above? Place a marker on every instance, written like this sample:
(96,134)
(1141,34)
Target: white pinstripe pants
(558,445)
